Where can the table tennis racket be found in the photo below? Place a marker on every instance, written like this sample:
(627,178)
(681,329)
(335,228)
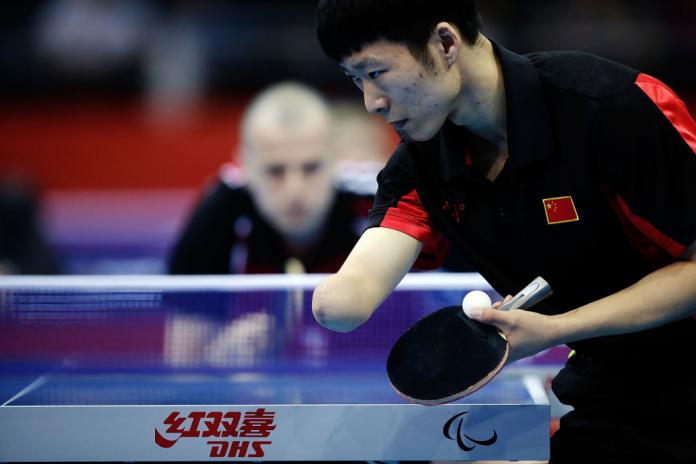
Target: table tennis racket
(446,355)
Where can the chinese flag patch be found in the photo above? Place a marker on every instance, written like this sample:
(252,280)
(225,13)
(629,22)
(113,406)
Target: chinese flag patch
(559,210)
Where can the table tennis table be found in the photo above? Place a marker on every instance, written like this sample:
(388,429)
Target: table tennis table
(234,367)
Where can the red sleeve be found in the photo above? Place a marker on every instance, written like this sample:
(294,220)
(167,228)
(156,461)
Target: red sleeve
(649,166)
(398,207)
(409,217)
(671,106)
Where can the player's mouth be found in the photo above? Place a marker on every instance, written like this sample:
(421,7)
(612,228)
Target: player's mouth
(398,125)
(296,213)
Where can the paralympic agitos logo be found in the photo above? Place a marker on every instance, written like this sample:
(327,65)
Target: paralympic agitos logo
(465,442)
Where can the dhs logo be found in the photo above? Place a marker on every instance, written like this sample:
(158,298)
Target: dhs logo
(229,434)
(454,430)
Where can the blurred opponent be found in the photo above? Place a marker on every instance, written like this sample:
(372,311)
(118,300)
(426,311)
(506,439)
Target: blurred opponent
(283,209)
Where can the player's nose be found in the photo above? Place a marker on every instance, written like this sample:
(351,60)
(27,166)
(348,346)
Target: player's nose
(295,182)
(375,102)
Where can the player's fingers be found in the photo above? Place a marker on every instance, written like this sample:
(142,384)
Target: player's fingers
(489,316)
(501,303)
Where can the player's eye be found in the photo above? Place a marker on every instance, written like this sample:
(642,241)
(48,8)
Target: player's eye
(311,168)
(275,172)
(375,74)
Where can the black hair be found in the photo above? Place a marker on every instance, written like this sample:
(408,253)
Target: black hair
(346,26)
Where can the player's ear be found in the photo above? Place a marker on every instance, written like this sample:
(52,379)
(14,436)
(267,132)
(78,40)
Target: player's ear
(447,41)
(248,164)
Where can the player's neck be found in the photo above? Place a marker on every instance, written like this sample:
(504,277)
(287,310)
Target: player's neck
(480,106)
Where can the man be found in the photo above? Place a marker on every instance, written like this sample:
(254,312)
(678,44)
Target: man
(284,214)
(561,165)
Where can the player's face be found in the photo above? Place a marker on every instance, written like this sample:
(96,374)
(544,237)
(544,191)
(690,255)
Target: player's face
(413,98)
(290,176)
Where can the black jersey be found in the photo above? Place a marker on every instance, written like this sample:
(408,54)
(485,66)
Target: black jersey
(226,234)
(598,191)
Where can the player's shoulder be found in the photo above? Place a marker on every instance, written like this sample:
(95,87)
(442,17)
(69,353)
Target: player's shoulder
(402,161)
(219,197)
(351,205)
(357,178)
(400,171)
(584,74)
(220,190)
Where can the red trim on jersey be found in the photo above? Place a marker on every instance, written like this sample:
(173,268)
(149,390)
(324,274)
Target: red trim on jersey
(658,238)
(671,106)
(410,217)
(655,246)
(467,157)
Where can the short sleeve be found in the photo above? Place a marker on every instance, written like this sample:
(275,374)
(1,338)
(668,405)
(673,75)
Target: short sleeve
(397,206)
(647,161)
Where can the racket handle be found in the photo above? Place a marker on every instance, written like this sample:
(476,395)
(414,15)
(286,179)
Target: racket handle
(536,291)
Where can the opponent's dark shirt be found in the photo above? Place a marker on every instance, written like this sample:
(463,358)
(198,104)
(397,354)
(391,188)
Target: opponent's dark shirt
(599,189)
(227,235)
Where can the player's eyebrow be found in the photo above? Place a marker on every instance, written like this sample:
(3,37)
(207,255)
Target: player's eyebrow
(361,64)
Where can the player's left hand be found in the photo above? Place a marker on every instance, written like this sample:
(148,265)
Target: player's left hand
(528,333)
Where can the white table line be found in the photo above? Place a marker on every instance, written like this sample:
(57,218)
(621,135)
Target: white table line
(28,389)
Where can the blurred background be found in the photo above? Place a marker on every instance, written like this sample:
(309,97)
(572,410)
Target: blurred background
(116,113)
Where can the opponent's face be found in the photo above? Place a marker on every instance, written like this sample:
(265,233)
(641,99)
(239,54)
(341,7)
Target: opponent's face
(290,176)
(413,98)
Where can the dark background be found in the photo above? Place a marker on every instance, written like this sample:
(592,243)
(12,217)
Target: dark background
(116,112)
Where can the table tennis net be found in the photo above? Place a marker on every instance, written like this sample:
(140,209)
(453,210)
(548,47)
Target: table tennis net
(192,329)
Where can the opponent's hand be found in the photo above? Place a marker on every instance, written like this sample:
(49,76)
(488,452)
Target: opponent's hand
(528,333)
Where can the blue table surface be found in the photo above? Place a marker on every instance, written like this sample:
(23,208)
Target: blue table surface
(368,386)
(119,347)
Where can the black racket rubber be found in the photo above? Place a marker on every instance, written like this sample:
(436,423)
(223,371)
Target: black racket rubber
(445,356)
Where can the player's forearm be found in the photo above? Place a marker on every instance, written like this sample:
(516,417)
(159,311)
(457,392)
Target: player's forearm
(373,269)
(339,303)
(664,296)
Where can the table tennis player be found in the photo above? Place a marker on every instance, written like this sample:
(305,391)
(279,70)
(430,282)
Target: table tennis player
(283,207)
(557,164)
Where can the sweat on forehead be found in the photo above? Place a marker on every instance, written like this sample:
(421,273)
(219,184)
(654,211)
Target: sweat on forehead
(285,109)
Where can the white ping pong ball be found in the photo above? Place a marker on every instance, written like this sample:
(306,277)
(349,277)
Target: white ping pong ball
(476,299)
